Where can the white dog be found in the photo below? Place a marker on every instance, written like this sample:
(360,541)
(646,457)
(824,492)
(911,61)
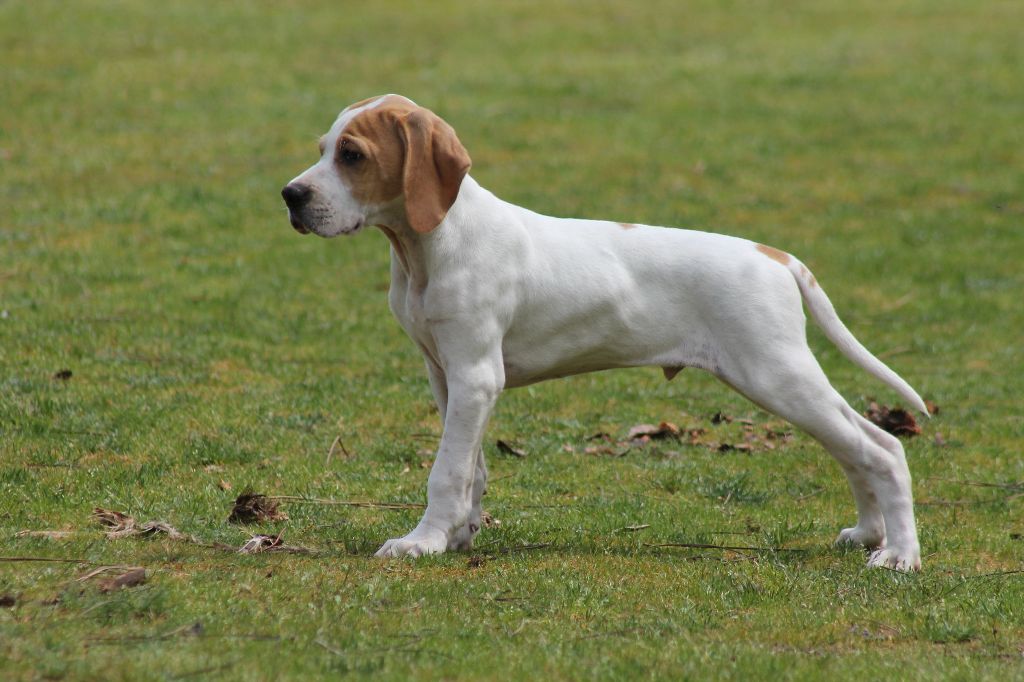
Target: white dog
(497,296)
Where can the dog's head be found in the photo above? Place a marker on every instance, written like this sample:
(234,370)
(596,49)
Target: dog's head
(383,157)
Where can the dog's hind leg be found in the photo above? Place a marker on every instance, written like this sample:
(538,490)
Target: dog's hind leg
(789,382)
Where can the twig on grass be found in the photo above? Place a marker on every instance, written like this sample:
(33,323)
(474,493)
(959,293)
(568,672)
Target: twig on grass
(519,548)
(733,548)
(969,503)
(103,569)
(334,446)
(298,499)
(979,484)
(15,559)
(806,496)
(330,649)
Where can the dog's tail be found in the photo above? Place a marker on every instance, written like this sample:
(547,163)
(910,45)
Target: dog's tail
(825,316)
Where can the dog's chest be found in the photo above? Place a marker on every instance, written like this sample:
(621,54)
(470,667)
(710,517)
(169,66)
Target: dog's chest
(406,300)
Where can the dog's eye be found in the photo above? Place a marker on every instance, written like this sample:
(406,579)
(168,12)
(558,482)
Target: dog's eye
(350,156)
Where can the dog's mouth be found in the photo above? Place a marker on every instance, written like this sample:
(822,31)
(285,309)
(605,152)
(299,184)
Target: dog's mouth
(297,224)
(301,228)
(353,229)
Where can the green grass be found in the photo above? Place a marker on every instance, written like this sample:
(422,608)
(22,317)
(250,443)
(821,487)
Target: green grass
(144,247)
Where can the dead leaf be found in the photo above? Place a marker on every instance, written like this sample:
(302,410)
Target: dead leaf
(7,600)
(120,525)
(475,561)
(933,409)
(224,485)
(258,544)
(114,521)
(649,431)
(253,507)
(489,521)
(510,449)
(896,420)
(157,528)
(131,578)
(719,418)
(637,527)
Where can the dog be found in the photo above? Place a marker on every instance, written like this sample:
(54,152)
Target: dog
(497,296)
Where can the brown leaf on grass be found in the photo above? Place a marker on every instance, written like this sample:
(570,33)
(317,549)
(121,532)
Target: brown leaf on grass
(119,576)
(158,528)
(253,507)
(510,449)
(933,409)
(131,578)
(651,432)
(7,600)
(258,544)
(475,561)
(895,420)
(720,418)
(114,521)
(120,525)
(489,521)
(224,485)
(62,374)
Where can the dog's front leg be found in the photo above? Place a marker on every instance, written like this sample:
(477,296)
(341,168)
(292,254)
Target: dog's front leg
(472,392)
(462,538)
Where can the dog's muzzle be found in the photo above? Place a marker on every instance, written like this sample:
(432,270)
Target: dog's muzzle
(296,196)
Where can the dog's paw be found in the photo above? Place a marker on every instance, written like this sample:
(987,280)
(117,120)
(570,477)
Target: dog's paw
(862,537)
(900,560)
(415,544)
(462,538)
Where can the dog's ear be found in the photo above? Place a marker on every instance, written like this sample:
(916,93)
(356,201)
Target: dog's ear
(435,163)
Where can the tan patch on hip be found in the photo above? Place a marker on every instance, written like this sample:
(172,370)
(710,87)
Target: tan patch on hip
(775,254)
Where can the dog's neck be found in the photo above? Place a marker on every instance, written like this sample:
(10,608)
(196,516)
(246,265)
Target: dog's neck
(412,253)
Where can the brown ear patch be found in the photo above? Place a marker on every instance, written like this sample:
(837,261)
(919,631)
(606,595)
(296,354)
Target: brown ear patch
(435,164)
(775,254)
(377,178)
(408,151)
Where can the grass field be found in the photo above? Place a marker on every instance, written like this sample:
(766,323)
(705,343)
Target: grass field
(144,248)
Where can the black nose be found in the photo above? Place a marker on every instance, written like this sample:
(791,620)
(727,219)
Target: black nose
(296,195)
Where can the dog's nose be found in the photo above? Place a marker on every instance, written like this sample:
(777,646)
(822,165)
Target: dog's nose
(295,195)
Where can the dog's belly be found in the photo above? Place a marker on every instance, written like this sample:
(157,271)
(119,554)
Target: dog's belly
(533,357)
